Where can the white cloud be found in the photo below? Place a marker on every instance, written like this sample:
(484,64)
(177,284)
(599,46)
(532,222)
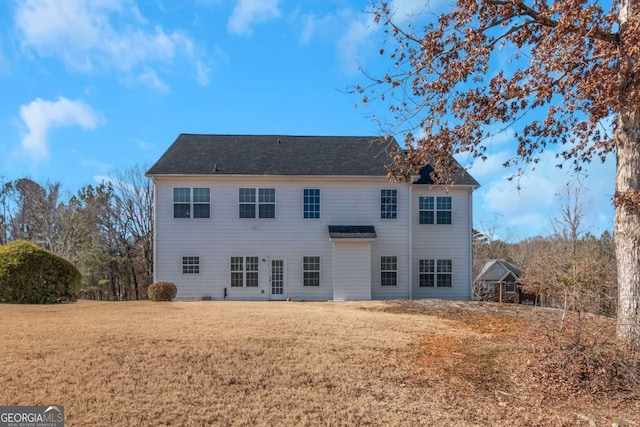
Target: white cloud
(527,205)
(150,78)
(203,73)
(249,12)
(98,35)
(490,167)
(350,45)
(40,116)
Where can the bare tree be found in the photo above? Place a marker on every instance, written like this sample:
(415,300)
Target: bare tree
(569,269)
(569,222)
(575,65)
(132,213)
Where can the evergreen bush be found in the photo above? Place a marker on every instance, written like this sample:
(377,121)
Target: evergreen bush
(30,274)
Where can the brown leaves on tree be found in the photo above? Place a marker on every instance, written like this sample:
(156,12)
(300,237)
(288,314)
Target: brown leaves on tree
(567,60)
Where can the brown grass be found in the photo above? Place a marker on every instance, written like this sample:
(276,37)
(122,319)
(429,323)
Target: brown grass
(234,363)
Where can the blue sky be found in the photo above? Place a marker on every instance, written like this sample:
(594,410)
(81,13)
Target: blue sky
(90,86)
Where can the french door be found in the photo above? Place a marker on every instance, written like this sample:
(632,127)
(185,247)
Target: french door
(276,279)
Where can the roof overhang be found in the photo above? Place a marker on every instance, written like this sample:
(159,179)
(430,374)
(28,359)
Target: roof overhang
(359,233)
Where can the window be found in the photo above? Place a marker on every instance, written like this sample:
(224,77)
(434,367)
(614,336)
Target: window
(435,273)
(191,200)
(388,204)
(444,273)
(427,273)
(510,287)
(434,210)
(244,271)
(388,271)
(201,202)
(264,205)
(190,265)
(181,202)
(311,203)
(311,271)
(251,275)
(267,202)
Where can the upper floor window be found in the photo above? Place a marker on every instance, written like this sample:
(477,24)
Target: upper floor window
(190,265)
(388,204)
(388,271)
(311,203)
(244,271)
(434,210)
(311,271)
(435,273)
(257,201)
(191,202)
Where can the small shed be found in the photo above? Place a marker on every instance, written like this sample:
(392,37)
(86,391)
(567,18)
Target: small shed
(499,281)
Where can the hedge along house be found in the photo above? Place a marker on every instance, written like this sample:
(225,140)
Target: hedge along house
(258,217)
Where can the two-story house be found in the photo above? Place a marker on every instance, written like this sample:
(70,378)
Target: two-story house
(259,217)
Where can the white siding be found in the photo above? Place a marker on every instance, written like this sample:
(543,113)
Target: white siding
(444,241)
(352,271)
(345,201)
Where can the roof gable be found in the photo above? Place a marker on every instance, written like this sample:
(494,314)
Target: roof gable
(461,176)
(497,270)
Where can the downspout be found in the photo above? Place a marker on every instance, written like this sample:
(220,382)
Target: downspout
(410,240)
(470,234)
(155,229)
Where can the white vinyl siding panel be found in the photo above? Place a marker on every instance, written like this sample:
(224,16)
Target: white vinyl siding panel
(352,274)
(443,242)
(290,236)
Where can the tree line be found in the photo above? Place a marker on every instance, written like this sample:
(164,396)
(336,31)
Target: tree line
(570,268)
(105,230)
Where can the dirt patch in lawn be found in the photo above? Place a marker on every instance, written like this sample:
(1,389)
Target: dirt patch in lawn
(233,363)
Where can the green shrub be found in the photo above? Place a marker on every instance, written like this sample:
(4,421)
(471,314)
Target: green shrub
(162,291)
(32,275)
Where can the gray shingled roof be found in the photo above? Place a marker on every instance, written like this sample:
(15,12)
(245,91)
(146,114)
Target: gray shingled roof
(352,232)
(274,155)
(192,154)
(495,270)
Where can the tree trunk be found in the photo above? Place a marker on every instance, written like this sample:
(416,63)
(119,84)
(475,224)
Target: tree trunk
(627,225)
(627,196)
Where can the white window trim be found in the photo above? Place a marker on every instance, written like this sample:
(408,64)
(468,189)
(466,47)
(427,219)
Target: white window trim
(380,204)
(257,202)
(191,203)
(388,271)
(182,265)
(319,204)
(435,210)
(436,273)
(319,272)
(244,272)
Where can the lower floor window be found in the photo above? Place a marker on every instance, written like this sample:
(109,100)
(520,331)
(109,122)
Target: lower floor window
(389,271)
(311,271)
(435,273)
(244,271)
(190,265)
